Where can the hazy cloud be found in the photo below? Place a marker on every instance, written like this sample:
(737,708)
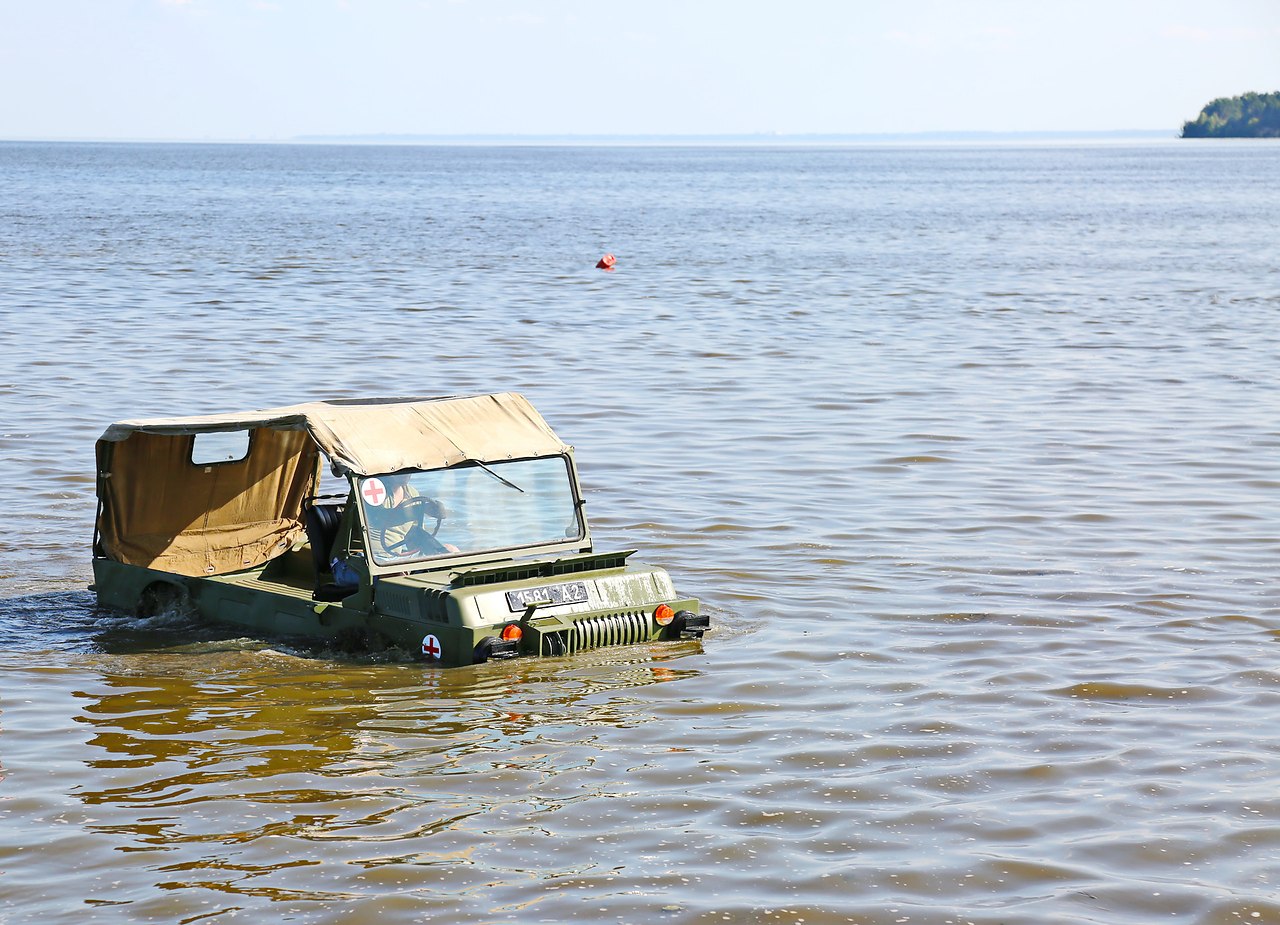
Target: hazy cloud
(1217,35)
(922,40)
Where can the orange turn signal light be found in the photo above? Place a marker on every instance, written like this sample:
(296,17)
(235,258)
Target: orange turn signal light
(512,632)
(664,615)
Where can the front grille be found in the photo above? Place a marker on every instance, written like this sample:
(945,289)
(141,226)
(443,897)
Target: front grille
(614,629)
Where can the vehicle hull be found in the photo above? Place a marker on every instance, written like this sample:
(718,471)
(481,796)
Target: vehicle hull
(423,614)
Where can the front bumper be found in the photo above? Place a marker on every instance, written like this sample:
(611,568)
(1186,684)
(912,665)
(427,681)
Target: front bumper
(557,636)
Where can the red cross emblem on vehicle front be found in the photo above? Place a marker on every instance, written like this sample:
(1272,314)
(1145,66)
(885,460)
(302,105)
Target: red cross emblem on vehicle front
(374,492)
(431,647)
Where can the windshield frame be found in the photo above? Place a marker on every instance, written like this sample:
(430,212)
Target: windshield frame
(493,470)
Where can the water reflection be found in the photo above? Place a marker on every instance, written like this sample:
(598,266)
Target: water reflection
(314,749)
(259,774)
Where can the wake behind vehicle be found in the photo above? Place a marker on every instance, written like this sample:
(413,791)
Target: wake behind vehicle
(450,527)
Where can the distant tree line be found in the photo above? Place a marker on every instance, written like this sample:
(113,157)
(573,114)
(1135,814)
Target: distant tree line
(1252,115)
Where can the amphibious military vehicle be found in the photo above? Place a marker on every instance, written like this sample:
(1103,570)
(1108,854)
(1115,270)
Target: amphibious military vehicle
(454,528)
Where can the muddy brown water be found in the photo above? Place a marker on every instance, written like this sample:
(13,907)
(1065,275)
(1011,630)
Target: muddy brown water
(970,452)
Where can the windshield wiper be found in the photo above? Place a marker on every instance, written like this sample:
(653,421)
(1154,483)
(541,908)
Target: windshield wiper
(506,482)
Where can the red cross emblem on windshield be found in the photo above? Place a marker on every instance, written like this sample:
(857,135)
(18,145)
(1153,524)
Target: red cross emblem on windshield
(374,493)
(431,647)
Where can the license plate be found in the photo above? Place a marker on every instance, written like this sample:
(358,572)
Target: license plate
(571,592)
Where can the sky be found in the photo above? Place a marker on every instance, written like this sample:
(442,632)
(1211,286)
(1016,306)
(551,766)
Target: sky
(281,69)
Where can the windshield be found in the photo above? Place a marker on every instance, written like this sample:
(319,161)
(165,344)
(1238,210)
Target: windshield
(469,508)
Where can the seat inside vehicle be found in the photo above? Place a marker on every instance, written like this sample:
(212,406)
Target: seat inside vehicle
(321,522)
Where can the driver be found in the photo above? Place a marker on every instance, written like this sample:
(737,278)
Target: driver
(397,526)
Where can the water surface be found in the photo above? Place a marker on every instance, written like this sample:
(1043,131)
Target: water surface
(970,451)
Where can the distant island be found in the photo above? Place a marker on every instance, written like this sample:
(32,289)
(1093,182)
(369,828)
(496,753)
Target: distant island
(1252,115)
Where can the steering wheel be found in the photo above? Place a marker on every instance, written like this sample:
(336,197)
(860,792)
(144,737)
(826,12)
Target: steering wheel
(418,539)
(430,507)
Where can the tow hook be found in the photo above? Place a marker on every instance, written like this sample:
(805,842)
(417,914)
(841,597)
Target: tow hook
(690,625)
(493,647)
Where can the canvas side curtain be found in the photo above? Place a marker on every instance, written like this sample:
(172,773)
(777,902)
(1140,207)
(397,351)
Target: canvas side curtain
(161,511)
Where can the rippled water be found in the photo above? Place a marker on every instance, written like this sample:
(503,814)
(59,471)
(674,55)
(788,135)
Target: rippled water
(970,451)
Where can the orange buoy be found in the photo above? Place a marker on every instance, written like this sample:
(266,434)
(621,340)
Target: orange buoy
(606,262)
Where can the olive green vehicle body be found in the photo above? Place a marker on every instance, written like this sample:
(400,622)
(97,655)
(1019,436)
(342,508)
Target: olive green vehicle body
(456,606)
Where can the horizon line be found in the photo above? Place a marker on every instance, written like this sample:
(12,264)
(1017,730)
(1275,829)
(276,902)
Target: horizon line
(635,138)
